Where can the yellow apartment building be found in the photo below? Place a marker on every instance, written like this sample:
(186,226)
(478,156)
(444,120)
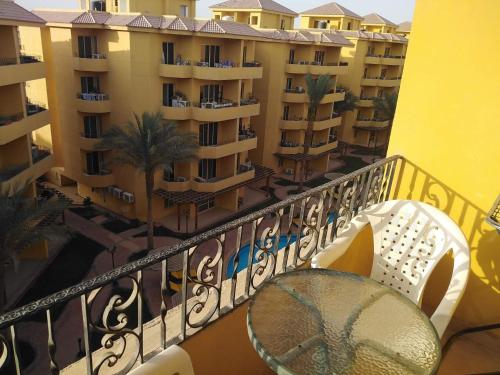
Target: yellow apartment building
(104,67)
(375,58)
(25,137)
(180,8)
(282,122)
(331,16)
(375,68)
(263,14)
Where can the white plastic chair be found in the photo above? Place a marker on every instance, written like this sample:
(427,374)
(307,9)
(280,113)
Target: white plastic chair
(172,361)
(409,239)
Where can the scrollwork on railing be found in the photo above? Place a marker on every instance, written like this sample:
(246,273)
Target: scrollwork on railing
(206,284)
(114,324)
(257,247)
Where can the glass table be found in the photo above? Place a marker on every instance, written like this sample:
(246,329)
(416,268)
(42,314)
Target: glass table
(328,322)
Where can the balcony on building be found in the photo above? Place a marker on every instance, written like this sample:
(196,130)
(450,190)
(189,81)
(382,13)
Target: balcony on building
(93,102)
(223,109)
(316,67)
(89,51)
(396,60)
(287,147)
(21,68)
(216,184)
(227,70)
(381,81)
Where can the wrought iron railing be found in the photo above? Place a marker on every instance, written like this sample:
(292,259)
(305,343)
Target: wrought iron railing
(215,272)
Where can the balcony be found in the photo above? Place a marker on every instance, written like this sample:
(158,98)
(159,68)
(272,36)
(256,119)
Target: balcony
(384,60)
(326,123)
(365,102)
(16,176)
(223,110)
(15,126)
(180,184)
(381,81)
(227,72)
(98,63)
(317,69)
(231,148)
(295,124)
(184,70)
(299,95)
(220,183)
(30,68)
(97,179)
(376,123)
(88,143)
(93,103)
(289,148)
(323,147)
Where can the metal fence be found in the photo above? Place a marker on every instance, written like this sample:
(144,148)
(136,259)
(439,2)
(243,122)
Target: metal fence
(216,272)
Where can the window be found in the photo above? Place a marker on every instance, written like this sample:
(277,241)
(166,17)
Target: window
(319,57)
(184,11)
(168,203)
(90,85)
(282,25)
(244,54)
(94,162)
(205,205)
(92,126)
(291,56)
(168,94)
(383,74)
(289,84)
(208,134)
(365,74)
(286,112)
(99,5)
(87,46)
(283,136)
(168,53)
(211,93)
(168,173)
(371,51)
(387,51)
(83,4)
(349,26)
(207,168)
(123,6)
(211,55)
(254,20)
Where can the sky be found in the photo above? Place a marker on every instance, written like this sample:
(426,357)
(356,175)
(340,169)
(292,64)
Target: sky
(395,10)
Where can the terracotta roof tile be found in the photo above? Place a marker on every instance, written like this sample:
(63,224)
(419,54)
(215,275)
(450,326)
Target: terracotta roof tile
(376,19)
(10,11)
(360,34)
(269,5)
(332,9)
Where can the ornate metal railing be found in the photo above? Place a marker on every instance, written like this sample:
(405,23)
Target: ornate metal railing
(190,284)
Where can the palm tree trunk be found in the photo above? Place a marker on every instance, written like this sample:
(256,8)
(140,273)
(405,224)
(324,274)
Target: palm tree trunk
(389,131)
(307,145)
(149,198)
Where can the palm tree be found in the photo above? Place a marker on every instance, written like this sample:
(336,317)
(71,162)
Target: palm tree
(317,88)
(21,225)
(386,107)
(148,144)
(349,104)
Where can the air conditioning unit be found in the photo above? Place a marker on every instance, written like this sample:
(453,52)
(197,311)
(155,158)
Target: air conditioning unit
(200,179)
(117,193)
(180,179)
(289,171)
(128,197)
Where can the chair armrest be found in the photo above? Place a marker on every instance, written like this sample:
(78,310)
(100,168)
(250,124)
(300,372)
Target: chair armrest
(339,246)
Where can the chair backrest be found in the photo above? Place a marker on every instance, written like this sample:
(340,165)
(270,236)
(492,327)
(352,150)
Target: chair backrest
(172,361)
(410,238)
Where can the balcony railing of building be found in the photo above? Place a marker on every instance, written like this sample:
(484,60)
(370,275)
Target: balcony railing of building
(8,61)
(285,143)
(33,107)
(30,59)
(7,120)
(9,172)
(221,64)
(249,101)
(246,134)
(92,56)
(317,63)
(218,274)
(386,56)
(215,104)
(93,96)
(296,90)
(39,153)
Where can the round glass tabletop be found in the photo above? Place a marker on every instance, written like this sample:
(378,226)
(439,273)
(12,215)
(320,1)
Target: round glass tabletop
(327,322)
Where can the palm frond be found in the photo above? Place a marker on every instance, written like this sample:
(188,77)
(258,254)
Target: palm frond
(386,105)
(317,88)
(348,104)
